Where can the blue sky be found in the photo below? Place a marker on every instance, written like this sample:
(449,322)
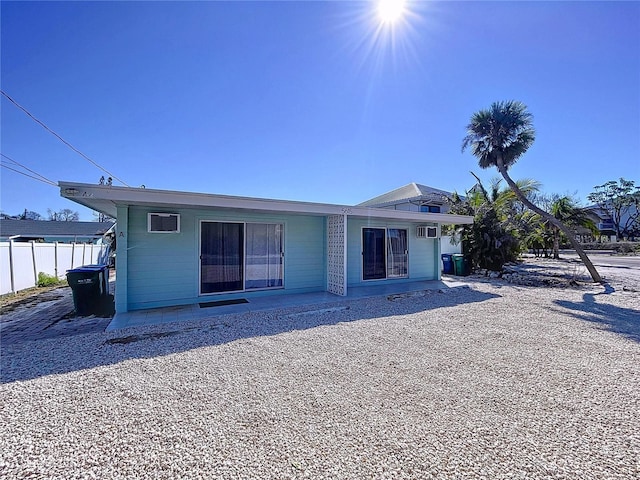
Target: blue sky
(312,100)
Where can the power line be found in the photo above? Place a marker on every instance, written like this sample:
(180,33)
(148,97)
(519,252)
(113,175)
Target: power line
(28,169)
(27,175)
(60,138)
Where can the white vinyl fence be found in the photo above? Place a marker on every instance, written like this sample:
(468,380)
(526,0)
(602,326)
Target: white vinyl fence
(20,262)
(447,247)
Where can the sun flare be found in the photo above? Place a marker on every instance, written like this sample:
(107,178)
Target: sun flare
(390,11)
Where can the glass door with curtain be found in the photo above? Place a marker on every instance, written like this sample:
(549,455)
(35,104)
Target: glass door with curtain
(264,256)
(221,257)
(373,254)
(397,253)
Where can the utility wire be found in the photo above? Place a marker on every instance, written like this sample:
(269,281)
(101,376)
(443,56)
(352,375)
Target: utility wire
(60,138)
(28,169)
(27,175)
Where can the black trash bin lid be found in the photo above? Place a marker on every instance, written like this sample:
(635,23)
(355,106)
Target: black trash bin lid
(88,268)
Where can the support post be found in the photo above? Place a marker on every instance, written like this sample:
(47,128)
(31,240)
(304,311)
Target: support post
(11,267)
(33,259)
(55,259)
(438,250)
(344,258)
(122,236)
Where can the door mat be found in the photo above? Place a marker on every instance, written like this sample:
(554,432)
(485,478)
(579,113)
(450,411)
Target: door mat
(222,303)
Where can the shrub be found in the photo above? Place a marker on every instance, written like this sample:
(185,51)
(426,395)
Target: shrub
(489,243)
(625,247)
(45,280)
(596,246)
(618,247)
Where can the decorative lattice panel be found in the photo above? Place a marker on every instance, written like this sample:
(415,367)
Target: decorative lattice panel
(336,251)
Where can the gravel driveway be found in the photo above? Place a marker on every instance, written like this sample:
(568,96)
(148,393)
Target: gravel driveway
(493,381)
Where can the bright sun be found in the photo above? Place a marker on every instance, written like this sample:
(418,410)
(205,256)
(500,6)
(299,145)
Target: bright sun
(389,11)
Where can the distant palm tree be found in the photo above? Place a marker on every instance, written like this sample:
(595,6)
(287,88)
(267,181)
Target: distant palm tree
(566,210)
(498,137)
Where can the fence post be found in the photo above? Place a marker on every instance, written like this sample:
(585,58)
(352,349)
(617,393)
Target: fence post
(33,258)
(11,269)
(55,259)
(73,251)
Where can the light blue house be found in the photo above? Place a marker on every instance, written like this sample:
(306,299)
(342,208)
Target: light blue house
(180,248)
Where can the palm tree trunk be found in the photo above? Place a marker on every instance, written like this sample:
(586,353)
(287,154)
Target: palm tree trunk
(556,243)
(554,221)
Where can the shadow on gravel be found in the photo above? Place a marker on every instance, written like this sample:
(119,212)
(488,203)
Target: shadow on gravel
(624,321)
(100,349)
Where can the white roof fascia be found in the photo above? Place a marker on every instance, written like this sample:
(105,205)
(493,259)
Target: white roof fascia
(99,196)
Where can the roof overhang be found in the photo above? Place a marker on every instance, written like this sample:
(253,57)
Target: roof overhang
(106,199)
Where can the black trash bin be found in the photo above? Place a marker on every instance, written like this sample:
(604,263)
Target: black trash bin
(90,286)
(447,263)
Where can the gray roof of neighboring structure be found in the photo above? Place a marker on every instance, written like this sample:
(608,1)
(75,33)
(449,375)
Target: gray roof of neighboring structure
(409,193)
(44,228)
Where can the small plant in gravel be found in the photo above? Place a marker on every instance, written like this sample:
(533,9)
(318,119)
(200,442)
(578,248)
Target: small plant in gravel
(45,280)
(576,274)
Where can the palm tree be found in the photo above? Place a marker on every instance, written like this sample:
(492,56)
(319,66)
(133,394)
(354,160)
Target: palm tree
(567,211)
(498,137)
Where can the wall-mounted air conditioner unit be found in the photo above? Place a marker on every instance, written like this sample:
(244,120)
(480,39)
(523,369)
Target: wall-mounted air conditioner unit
(427,232)
(163,223)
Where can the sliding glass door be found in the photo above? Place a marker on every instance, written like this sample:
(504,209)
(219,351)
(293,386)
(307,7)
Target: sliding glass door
(221,257)
(385,253)
(264,256)
(240,256)
(397,253)
(373,254)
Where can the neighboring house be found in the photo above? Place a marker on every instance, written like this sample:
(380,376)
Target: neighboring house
(413,197)
(180,248)
(52,231)
(585,235)
(606,225)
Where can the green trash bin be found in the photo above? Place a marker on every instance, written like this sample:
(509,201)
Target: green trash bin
(460,265)
(90,287)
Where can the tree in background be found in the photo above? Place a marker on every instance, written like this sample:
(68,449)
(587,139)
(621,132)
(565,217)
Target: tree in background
(29,215)
(621,201)
(498,137)
(64,215)
(567,210)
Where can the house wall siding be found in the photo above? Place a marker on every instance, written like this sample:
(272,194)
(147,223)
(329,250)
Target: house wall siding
(163,268)
(423,252)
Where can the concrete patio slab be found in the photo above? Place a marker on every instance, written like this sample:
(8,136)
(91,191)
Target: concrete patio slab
(190,313)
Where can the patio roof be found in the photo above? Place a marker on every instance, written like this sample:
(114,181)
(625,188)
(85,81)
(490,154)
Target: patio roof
(105,199)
